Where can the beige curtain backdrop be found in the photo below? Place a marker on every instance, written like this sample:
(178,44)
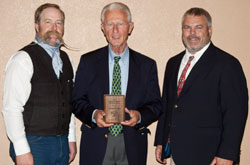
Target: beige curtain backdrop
(157,34)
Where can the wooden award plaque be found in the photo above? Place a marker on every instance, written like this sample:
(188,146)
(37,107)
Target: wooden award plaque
(114,108)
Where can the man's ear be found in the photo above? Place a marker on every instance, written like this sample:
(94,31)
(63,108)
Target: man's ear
(37,27)
(210,31)
(131,27)
(102,28)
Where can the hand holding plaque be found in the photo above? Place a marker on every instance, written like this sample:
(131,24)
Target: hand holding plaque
(114,108)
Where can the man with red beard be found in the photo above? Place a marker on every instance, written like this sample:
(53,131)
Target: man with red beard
(37,96)
(205,100)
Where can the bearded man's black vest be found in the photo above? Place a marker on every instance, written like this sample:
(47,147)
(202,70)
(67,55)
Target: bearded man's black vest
(48,109)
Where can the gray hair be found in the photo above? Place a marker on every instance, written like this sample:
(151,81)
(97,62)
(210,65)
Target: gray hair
(198,12)
(116,6)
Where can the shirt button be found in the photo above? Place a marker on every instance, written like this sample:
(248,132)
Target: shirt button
(175,106)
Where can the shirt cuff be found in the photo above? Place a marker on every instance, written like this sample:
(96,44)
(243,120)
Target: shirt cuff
(93,119)
(21,147)
(72,135)
(139,121)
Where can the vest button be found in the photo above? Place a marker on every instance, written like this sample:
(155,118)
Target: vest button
(175,106)
(106,135)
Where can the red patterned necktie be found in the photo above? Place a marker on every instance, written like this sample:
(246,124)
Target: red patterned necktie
(183,76)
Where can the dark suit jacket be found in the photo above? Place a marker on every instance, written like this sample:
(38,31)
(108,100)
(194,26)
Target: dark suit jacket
(209,116)
(143,94)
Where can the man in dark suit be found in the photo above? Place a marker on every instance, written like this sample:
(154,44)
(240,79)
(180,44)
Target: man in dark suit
(138,81)
(205,100)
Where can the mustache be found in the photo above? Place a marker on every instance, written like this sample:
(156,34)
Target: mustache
(47,35)
(193,37)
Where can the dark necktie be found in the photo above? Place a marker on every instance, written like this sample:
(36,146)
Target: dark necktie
(116,129)
(183,76)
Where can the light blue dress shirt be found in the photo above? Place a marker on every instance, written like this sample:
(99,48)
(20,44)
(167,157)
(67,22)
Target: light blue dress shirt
(124,65)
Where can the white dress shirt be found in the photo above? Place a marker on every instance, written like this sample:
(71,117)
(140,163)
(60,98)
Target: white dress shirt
(17,89)
(185,58)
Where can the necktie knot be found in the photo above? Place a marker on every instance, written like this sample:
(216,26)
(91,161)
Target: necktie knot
(190,58)
(117,58)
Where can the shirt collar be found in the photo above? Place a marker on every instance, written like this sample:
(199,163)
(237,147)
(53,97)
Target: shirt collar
(124,55)
(197,55)
(50,49)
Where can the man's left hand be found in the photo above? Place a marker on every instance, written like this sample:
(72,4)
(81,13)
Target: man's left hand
(134,117)
(72,151)
(221,161)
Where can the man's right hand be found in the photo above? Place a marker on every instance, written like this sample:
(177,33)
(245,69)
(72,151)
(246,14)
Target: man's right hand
(25,159)
(99,118)
(158,153)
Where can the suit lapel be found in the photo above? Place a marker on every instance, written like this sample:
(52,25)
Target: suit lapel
(200,68)
(133,77)
(103,65)
(176,70)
